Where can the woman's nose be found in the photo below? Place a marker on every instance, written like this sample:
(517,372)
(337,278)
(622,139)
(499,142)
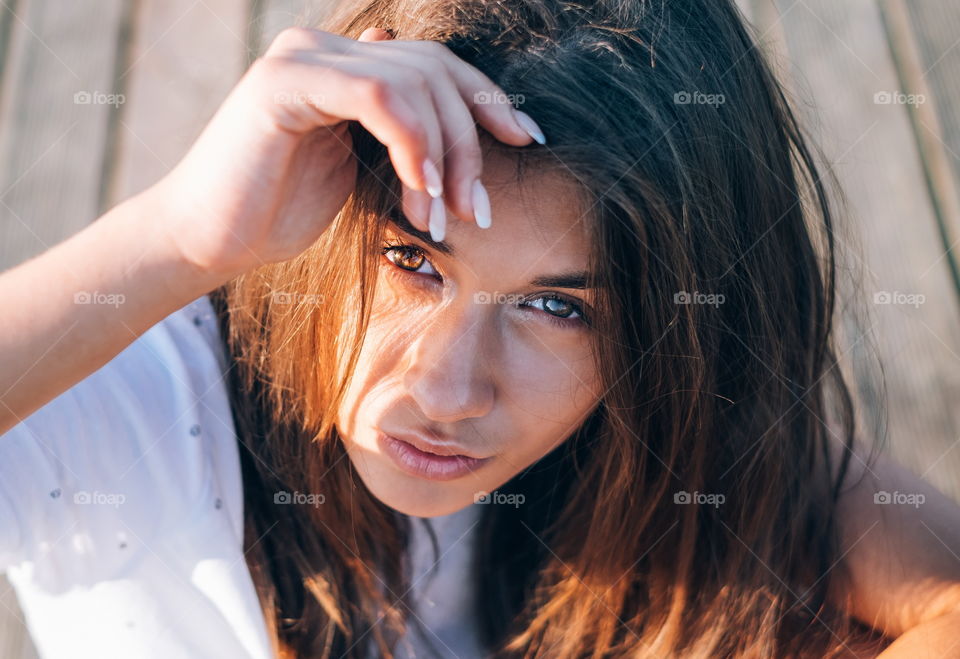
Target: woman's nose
(448,373)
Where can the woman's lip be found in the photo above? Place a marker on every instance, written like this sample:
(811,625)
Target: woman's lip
(427,465)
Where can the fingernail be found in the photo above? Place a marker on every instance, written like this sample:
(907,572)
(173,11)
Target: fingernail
(529,125)
(438,219)
(481,205)
(434,182)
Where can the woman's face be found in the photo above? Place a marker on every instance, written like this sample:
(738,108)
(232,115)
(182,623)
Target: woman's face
(477,361)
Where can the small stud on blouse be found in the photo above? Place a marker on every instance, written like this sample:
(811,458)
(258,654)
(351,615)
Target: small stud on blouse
(195,429)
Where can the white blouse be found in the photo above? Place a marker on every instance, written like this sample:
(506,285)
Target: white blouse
(121,515)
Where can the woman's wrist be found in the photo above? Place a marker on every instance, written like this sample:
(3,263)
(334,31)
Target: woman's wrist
(173,235)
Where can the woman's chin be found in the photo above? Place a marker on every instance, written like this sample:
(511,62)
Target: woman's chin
(433,500)
(411,495)
(425,508)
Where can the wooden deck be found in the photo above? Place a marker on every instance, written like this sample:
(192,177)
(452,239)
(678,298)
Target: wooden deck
(69,150)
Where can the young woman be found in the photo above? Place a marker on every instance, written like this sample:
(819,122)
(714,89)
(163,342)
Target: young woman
(321,392)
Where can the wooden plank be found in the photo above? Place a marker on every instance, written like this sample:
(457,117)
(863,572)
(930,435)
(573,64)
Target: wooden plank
(746,8)
(926,43)
(841,62)
(7,12)
(270,17)
(52,134)
(185,58)
(52,150)
(14,640)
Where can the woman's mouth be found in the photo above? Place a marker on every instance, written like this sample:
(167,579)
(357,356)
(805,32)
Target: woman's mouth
(427,465)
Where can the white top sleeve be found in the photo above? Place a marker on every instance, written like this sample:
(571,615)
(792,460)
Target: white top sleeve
(121,506)
(123,441)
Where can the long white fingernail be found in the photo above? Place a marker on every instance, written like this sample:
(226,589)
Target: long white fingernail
(529,125)
(432,176)
(481,205)
(438,219)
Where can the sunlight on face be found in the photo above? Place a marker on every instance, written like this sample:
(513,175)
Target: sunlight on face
(474,359)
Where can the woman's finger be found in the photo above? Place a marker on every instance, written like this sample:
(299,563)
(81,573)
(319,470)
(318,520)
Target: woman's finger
(462,157)
(492,107)
(328,89)
(415,203)
(416,206)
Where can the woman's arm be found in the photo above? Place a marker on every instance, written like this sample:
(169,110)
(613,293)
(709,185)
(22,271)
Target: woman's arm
(901,544)
(70,310)
(939,637)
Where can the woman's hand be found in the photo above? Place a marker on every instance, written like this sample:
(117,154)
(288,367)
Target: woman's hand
(274,165)
(265,178)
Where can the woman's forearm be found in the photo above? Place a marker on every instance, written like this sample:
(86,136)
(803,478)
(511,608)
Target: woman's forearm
(938,637)
(70,310)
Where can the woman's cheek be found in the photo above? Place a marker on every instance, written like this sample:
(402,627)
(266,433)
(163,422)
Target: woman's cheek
(550,381)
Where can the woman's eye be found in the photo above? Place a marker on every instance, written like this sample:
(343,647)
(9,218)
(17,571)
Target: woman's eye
(555,309)
(408,257)
(559,310)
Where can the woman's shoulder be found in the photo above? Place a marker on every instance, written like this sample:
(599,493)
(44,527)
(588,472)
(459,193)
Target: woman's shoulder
(141,442)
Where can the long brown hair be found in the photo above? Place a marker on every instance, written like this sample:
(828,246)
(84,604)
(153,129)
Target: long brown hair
(693,512)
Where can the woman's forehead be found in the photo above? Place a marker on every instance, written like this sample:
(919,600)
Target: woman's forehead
(540,202)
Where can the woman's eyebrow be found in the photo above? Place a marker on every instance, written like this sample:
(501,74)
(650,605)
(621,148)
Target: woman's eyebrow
(577,279)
